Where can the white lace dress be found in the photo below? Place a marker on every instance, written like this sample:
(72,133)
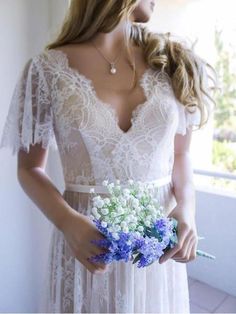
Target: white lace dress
(58,106)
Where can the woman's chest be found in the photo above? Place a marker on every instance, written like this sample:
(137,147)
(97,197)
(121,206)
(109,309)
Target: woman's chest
(78,109)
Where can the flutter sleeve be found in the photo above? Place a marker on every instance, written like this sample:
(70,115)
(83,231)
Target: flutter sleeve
(30,116)
(186,118)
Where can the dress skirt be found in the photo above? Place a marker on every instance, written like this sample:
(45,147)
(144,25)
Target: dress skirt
(124,288)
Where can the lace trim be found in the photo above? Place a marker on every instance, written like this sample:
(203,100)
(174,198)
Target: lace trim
(187,119)
(30,118)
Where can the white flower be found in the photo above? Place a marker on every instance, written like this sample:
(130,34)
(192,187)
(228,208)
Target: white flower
(92,190)
(127,197)
(123,224)
(139,195)
(132,225)
(95,198)
(140,228)
(147,223)
(106,218)
(123,201)
(117,228)
(97,216)
(126,191)
(104,211)
(117,220)
(94,210)
(138,209)
(131,181)
(131,217)
(115,235)
(136,202)
(127,219)
(150,207)
(111,185)
(113,214)
(105,183)
(104,224)
(126,229)
(117,181)
(106,200)
(120,210)
(154,216)
(99,203)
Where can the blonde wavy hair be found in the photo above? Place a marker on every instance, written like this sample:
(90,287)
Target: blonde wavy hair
(187,71)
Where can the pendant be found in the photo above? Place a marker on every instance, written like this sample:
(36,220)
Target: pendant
(113,69)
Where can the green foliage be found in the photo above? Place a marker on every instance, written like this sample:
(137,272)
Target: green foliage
(224,156)
(224,159)
(225,113)
(224,145)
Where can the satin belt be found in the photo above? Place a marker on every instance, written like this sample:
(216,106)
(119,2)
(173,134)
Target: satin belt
(103,189)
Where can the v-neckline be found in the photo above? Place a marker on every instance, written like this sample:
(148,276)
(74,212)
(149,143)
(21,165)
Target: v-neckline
(98,101)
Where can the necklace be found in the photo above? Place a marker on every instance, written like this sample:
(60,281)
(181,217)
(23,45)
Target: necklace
(113,69)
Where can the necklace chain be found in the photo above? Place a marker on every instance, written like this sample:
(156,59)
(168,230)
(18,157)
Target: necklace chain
(113,69)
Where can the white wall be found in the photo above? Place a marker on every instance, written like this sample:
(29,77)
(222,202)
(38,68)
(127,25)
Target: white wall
(216,217)
(26,26)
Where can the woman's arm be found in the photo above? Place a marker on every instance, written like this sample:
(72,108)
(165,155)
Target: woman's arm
(78,229)
(184,212)
(182,175)
(38,186)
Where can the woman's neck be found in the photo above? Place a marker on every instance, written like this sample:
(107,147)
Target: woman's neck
(113,41)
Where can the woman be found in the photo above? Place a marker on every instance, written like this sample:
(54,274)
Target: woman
(115,99)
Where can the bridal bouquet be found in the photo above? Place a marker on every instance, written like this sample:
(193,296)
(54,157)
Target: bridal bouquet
(134,224)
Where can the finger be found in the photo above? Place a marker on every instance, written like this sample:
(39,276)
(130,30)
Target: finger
(94,266)
(191,248)
(182,233)
(95,242)
(193,254)
(98,264)
(99,236)
(182,254)
(90,266)
(190,252)
(95,249)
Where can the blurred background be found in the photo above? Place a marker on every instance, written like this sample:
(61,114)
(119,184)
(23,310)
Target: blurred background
(26,26)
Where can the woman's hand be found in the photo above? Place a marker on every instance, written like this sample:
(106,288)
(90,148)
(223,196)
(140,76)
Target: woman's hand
(79,230)
(185,250)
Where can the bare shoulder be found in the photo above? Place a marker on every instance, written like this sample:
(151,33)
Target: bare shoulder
(71,49)
(78,55)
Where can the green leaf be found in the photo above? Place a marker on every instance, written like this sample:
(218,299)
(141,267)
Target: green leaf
(137,258)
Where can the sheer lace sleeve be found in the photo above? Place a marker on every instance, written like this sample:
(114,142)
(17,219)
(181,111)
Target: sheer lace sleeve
(30,117)
(186,118)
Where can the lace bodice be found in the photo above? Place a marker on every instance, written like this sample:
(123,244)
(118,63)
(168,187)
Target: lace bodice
(56,105)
